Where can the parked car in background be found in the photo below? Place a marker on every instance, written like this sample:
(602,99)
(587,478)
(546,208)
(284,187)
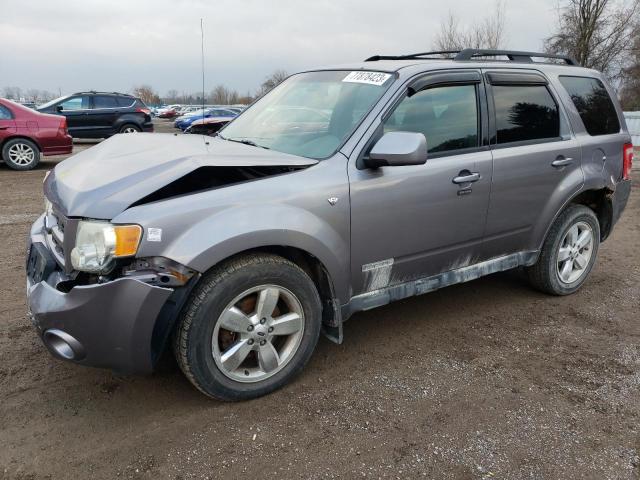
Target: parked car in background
(25,135)
(207,126)
(170,111)
(187,109)
(101,114)
(185,121)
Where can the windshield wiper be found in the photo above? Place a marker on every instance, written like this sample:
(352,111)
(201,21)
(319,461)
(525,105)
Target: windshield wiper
(245,141)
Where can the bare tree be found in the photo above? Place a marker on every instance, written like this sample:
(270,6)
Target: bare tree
(630,91)
(597,33)
(146,94)
(12,93)
(272,81)
(220,95)
(171,96)
(488,33)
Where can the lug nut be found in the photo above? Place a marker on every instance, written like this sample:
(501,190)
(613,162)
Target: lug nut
(250,328)
(263,320)
(262,342)
(270,329)
(250,342)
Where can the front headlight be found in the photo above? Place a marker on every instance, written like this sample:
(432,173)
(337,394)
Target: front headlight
(98,244)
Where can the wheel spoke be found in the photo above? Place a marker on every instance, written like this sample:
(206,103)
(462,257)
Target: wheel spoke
(268,358)
(563,254)
(572,235)
(584,239)
(567,268)
(287,324)
(234,320)
(267,300)
(235,355)
(581,261)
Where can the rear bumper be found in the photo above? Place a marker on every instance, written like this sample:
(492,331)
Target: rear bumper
(61,145)
(109,325)
(147,127)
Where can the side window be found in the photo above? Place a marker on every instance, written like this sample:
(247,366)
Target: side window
(125,101)
(525,112)
(5,113)
(447,116)
(104,101)
(76,103)
(593,104)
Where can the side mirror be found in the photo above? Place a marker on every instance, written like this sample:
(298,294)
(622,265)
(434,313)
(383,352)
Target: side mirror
(397,149)
(58,108)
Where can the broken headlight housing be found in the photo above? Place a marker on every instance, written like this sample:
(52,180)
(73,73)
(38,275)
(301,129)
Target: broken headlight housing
(98,244)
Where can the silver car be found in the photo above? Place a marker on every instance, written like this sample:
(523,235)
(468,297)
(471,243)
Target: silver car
(396,176)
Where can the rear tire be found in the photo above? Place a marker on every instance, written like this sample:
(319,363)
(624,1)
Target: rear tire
(129,128)
(21,154)
(248,328)
(569,252)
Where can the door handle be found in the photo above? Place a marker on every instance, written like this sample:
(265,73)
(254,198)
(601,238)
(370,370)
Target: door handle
(466,176)
(562,162)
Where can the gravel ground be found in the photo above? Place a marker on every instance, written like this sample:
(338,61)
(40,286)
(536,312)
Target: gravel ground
(488,379)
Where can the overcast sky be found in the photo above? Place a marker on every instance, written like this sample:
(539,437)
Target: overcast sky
(115,44)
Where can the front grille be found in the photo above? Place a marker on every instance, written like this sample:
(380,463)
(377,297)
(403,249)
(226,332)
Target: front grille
(57,225)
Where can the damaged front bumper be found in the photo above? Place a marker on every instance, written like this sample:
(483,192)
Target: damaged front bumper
(114,324)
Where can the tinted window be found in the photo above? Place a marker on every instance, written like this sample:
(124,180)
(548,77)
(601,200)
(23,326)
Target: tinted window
(76,103)
(593,104)
(5,113)
(125,101)
(447,116)
(104,101)
(525,112)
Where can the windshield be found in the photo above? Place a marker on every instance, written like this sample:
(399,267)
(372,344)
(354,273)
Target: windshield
(48,104)
(310,114)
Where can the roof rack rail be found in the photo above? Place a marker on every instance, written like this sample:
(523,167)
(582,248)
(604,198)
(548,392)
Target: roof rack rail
(471,53)
(513,55)
(414,56)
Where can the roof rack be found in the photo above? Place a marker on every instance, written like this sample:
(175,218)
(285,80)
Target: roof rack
(103,93)
(471,53)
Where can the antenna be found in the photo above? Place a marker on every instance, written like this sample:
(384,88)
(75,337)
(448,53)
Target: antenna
(202,51)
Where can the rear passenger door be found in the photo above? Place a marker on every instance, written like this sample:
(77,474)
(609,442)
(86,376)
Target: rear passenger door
(76,110)
(103,114)
(536,160)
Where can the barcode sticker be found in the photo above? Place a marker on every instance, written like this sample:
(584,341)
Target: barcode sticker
(370,78)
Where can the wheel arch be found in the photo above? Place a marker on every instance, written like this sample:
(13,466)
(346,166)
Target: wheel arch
(24,137)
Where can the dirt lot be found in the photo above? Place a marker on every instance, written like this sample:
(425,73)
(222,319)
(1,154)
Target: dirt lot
(488,379)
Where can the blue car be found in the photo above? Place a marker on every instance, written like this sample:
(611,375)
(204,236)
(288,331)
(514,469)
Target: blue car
(185,121)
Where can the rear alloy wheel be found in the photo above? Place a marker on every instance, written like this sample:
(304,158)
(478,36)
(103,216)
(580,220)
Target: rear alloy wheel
(130,129)
(21,154)
(568,253)
(249,327)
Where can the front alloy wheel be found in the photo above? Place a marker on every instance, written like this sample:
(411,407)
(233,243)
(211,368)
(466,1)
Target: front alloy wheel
(250,325)
(258,333)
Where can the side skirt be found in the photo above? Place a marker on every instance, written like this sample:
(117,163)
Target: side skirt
(378,298)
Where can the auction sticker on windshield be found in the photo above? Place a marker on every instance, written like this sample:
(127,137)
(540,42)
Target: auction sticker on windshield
(371,78)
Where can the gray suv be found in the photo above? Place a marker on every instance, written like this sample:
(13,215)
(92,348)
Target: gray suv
(341,190)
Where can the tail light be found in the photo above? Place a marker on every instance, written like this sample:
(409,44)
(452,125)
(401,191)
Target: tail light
(144,110)
(62,128)
(627,161)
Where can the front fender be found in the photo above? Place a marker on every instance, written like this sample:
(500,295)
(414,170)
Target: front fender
(205,244)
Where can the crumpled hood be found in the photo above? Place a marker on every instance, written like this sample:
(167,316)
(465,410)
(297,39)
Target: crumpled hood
(104,180)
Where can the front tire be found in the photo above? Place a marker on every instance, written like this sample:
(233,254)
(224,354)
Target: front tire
(249,327)
(21,154)
(569,252)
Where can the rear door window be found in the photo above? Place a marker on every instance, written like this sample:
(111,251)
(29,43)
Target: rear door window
(104,101)
(447,116)
(593,103)
(525,113)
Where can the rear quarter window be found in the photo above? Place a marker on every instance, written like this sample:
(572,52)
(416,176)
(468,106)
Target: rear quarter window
(125,101)
(593,103)
(5,113)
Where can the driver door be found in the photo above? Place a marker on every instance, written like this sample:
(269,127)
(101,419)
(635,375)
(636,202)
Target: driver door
(410,222)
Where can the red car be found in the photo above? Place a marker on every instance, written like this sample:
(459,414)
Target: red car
(25,135)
